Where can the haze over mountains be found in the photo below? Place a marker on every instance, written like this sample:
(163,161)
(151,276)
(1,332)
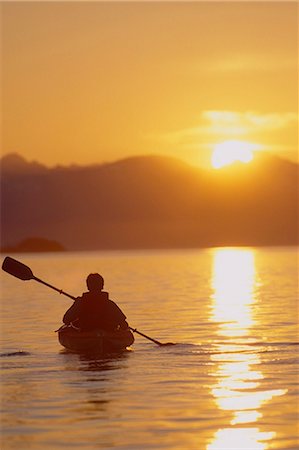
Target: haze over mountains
(150,202)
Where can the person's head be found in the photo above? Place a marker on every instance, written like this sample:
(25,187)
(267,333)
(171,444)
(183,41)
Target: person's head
(95,282)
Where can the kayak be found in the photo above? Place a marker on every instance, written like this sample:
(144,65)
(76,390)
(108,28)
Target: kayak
(98,341)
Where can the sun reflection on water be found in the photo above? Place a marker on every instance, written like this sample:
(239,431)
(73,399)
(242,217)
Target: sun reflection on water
(238,376)
(240,438)
(233,284)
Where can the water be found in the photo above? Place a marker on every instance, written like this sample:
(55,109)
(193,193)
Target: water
(230,383)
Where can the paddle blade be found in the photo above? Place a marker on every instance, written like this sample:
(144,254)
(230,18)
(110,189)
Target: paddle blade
(17,269)
(167,343)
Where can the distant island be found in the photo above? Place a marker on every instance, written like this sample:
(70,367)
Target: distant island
(148,202)
(34,244)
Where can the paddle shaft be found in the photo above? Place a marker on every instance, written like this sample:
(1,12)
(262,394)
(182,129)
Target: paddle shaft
(53,287)
(145,336)
(73,298)
(19,270)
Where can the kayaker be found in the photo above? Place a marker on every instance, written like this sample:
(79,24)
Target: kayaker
(94,310)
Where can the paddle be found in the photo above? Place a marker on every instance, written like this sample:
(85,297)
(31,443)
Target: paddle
(19,270)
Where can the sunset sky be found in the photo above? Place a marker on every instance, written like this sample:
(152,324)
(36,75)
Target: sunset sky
(98,81)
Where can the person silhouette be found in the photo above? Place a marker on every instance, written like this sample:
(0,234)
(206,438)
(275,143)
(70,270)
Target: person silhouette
(94,310)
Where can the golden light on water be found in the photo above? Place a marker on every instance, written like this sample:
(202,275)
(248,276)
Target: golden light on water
(240,438)
(233,284)
(238,387)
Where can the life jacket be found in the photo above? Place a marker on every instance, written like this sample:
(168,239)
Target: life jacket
(96,310)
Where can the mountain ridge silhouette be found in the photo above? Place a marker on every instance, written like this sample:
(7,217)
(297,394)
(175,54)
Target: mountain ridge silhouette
(150,202)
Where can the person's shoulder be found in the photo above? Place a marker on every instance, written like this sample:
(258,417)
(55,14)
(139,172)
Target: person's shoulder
(113,304)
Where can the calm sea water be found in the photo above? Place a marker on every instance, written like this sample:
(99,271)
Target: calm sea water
(231,382)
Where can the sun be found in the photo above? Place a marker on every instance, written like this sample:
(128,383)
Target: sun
(228,152)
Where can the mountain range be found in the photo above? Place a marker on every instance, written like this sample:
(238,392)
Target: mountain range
(150,202)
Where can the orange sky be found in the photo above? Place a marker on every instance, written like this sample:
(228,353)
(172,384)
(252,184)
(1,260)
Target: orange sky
(98,81)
